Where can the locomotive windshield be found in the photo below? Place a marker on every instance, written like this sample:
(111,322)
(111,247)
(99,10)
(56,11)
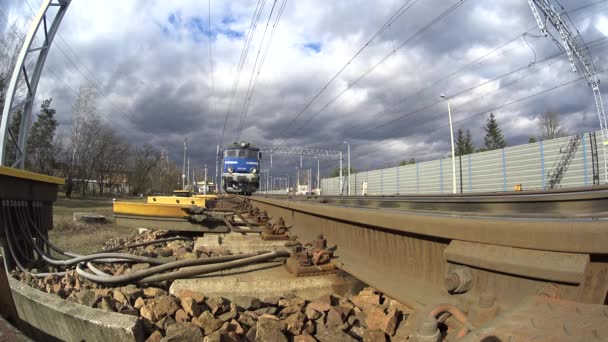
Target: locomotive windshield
(241,153)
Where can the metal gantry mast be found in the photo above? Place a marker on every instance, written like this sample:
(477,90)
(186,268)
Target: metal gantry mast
(31,78)
(578,55)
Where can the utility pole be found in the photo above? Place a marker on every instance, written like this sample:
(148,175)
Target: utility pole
(348,188)
(341,180)
(188,172)
(578,55)
(205,186)
(184,166)
(318,175)
(452,143)
(217,168)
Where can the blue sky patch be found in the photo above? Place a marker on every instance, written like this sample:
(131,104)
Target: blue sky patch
(315,46)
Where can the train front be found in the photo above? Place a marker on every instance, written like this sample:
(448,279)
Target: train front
(241,171)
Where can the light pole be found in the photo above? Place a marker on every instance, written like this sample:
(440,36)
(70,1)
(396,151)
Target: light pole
(318,176)
(348,188)
(452,141)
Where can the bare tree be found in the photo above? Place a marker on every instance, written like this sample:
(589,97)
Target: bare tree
(86,132)
(110,155)
(549,126)
(144,160)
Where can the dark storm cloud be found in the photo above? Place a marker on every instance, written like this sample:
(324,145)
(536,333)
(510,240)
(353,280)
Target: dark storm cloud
(151,61)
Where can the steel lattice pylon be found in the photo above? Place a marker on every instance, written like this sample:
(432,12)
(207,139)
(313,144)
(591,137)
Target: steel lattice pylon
(31,79)
(579,58)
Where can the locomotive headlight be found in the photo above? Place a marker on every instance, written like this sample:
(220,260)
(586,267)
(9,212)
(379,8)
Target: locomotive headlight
(253,170)
(230,169)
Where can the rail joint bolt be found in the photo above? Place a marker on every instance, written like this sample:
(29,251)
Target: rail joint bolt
(459,280)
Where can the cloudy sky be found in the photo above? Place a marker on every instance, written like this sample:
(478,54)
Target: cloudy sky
(149,63)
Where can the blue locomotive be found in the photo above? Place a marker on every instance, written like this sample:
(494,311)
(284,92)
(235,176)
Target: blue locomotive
(241,171)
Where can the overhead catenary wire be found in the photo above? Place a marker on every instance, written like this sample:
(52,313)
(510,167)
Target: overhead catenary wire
(443,78)
(396,15)
(253,71)
(385,144)
(250,33)
(383,59)
(251,88)
(421,109)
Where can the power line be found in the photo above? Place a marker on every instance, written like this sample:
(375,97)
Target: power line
(391,121)
(396,15)
(486,110)
(392,53)
(255,66)
(264,55)
(250,33)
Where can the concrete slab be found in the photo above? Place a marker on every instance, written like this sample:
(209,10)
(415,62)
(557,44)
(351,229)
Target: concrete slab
(69,321)
(239,243)
(266,280)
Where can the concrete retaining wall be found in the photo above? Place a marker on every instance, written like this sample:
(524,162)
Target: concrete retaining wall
(70,321)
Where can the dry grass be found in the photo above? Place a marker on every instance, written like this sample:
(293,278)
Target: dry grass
(79,237)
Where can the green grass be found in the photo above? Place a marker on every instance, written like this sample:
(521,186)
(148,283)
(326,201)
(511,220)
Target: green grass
(79,237)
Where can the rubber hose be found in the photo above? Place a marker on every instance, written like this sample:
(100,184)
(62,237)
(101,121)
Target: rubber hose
(174,238)
(90,257)
(6,220)
(199,270)
(165,267)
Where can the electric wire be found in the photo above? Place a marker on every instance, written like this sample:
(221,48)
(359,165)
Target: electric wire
(396,15)
(252,85)
(243,57)
(382,60)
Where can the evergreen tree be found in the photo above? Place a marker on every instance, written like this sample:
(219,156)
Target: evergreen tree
(40,152)
(493,139)
(532,140)
(464,143)
(407,162)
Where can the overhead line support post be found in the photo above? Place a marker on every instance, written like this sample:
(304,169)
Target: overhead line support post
(577,54)
(31,80)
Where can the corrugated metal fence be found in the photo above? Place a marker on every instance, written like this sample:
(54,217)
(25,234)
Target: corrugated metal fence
(499,170)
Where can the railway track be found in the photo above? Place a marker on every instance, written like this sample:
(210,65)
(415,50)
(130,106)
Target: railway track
(457,249)
(558,203)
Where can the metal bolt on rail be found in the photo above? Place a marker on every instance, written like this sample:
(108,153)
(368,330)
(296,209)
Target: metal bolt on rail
(459,280)
(428,331)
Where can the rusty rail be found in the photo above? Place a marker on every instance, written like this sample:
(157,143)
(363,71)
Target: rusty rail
(557,203)
(416,257)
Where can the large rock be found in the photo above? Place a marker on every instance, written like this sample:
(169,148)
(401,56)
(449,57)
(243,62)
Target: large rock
(269,328)
(186,332)
(208,323)
(197,296)
(164,322)
(156,336)
(139,303)
(296,301)
(378,320)
(337,315)
(304,338)
(152,292)
(312,314)
(374,336)
(147,312)
(131,291)
(322,303)
(295,323)
(247,318)
(191,307)
(365,302)
(333,335)
(120,297)
(247,302)
(181,316)
(87,298)
(165,306)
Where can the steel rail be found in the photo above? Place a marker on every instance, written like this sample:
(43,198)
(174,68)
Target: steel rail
(407,255)
(562,203)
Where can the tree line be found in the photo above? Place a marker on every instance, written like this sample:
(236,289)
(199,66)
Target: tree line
(91,156)
(549,126)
